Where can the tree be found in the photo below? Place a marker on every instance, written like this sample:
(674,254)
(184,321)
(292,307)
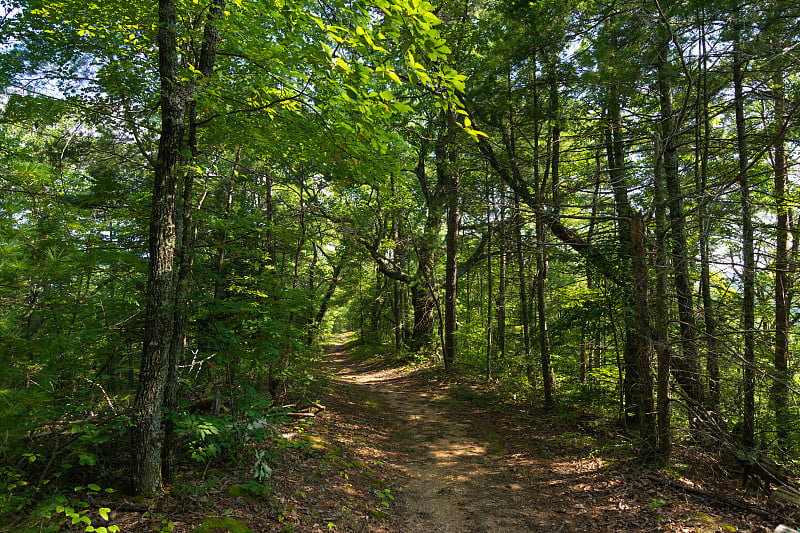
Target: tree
(287,170)
(748,277)
(446,156)
(686,367)
(702,141)
(160,295)
(643,376)
(782,278)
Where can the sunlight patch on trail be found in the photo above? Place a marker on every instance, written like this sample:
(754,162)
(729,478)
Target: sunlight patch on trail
(446,467)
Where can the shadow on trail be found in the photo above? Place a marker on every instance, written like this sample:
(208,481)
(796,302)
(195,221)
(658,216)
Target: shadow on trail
(460,476)
(470,466)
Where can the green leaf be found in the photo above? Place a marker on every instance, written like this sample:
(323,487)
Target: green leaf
(87,459)
(393,75)
(423,76)
(431,19)
(474,133)
(104,512)
(351,92)
(341,63)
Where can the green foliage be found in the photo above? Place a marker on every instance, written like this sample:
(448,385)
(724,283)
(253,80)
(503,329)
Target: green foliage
(20,410)
(58,511)
(385,496)
(208,436)
(319,131)
(261,469)
(250,490)
(81,518)
(14,494)
(165,525)
(221,525)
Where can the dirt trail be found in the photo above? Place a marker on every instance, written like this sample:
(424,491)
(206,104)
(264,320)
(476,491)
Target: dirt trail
(460,477)
(456,460)
(469,466)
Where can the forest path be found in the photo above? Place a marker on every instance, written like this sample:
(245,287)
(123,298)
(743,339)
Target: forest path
(454,458)
(468,464)
(459,474)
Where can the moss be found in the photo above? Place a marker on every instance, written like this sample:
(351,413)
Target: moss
(701,517)
(728,527)
(702,522)
(221,525)
(247,491)
(316,442)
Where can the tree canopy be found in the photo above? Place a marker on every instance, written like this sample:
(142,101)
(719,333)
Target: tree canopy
(590,203)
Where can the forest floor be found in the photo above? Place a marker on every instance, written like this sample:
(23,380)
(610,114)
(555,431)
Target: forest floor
(402,451)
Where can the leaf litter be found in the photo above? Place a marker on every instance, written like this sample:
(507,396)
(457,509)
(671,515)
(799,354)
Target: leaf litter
(402,451)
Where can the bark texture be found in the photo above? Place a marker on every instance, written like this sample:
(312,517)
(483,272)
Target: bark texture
(686,366)
(748,258)
(159,320)
(781,380)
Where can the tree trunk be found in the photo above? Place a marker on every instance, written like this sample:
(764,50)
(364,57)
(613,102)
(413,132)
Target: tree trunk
(709,320)
(588,346)
(398,288)
(451,283)
(643,382)
(170,263)
(616,171)
(510,140)
(541,264)
(184,248)
(782,378)
(523,289)
(661,305)
(376,305)
(424,306)
(422,295)
(489,286)
(159,318)
(686,367)
(541,312)
(326,298)
(448,175)
(748,277)
(502,282)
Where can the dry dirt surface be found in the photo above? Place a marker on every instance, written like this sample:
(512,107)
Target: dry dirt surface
(405,451)
(466,466)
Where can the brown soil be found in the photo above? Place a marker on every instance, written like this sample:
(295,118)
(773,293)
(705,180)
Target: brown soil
(471,467)
(400,451)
